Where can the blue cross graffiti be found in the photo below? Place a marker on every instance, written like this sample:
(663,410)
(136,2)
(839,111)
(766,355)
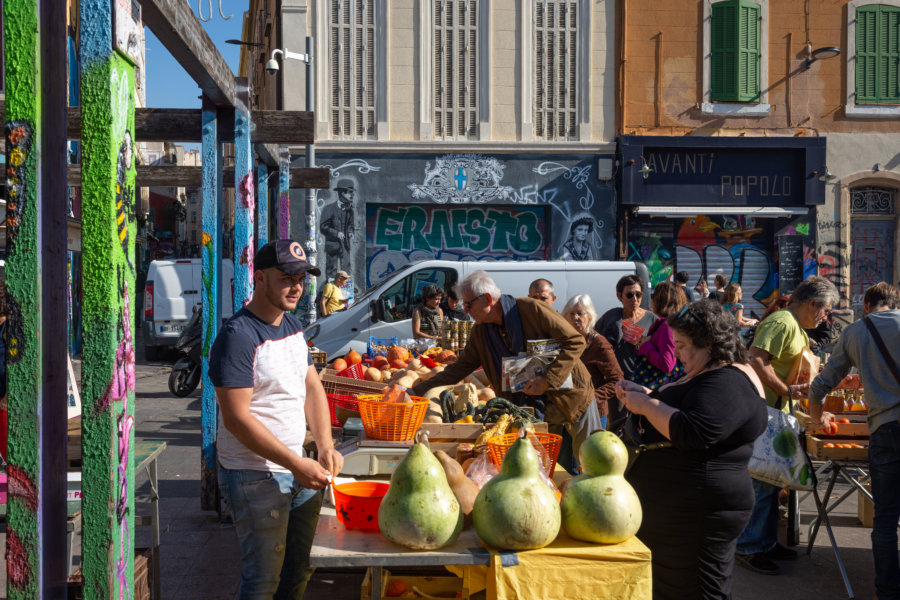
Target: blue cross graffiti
(460,178)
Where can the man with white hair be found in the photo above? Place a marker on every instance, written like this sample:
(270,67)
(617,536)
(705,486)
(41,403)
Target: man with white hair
(503,325)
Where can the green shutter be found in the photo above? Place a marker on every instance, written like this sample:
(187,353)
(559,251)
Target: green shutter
(735,51)
(878,54)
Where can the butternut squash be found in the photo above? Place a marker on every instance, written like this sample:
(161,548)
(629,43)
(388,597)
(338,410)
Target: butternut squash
(486,394)
(463,488)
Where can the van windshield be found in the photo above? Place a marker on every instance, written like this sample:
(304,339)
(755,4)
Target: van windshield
(372,289)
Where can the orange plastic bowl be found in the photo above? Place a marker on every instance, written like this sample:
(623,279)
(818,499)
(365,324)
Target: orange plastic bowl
(356,503)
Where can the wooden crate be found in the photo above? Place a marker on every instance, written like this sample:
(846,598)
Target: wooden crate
(815,447)
(347,386)
(857,427)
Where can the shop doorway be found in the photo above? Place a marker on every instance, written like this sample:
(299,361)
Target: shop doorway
(873,230)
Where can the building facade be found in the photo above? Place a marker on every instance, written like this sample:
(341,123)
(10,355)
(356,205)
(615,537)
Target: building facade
(746,76)
(455,129)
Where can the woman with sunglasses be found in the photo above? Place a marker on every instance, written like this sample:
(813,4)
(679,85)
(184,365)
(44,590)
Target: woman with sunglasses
(696,492)
(623,327)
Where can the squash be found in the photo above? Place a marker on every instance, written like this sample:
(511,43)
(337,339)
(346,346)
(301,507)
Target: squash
(463,488)
(408,380)
(415,364)
(485,394)
(435,392)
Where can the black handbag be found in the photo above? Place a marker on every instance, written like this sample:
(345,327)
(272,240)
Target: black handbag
(631,431)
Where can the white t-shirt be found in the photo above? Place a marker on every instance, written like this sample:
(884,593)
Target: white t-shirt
(249,352)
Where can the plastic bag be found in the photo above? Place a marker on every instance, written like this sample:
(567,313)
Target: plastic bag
(482,469)
(778,456)
(544,459)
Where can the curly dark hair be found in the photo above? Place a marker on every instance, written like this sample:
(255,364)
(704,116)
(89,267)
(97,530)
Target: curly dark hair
(707,325)
(627,281)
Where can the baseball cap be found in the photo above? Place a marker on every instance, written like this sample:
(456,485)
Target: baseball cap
(343,274)
(285,255)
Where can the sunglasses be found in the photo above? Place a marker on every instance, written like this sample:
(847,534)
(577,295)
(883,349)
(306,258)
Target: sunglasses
(468,305)
(631,295)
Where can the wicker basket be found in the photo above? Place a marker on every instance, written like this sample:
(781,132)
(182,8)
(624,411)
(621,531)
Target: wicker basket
(393,421)
(342,400)
(551,442)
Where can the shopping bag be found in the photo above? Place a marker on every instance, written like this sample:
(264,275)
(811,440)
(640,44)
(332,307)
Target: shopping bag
(778,457)
(650,376)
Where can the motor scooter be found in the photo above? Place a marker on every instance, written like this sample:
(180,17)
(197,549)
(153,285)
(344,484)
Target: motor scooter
(185,375)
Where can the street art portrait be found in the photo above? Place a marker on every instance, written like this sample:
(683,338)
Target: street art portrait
(337,226)
(407,208)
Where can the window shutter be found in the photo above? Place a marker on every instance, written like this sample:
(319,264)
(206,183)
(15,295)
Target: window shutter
(723,76)
(748,52)
(556,72)
(866,54)
(455,69)
(889,55)
(352,69)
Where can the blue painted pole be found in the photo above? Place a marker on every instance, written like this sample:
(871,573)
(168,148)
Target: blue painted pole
(244,198)
(284,194)
(211,253)
(262,205)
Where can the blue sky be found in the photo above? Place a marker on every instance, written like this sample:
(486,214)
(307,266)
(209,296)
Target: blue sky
(168,85)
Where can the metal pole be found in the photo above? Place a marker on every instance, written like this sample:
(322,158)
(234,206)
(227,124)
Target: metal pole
(312,251)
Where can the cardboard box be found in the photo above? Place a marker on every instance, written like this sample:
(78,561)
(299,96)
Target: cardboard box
(865,508)
(449,586)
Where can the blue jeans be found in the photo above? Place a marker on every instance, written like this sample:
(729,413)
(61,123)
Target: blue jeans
(275,520)
(884,467)
(761,532)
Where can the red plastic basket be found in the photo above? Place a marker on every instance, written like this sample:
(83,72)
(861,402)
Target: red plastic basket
(394,421)
(354,371)
(551,442)
(342,400)
(356,504)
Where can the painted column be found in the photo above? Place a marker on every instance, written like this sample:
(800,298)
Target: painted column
(35,152)
(211,252)
(284,194)
(243,198)
(108,230)
(262,205)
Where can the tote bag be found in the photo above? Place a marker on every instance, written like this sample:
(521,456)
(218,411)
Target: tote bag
(778,457)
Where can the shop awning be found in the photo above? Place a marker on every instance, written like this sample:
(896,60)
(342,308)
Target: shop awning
(750,211)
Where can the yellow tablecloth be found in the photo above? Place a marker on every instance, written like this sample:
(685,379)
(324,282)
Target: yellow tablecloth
(566,569)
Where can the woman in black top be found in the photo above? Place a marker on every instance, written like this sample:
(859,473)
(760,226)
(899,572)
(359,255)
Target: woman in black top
(696,494)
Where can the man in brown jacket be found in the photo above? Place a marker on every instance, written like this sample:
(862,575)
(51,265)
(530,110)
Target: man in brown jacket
(503,325)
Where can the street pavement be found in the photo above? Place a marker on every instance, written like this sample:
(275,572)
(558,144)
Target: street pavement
(200,557)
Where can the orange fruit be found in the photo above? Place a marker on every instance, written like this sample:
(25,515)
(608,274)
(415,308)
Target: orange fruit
(828,446)
(339,364)
(843,420)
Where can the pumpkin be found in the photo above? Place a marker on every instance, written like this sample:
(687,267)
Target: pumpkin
(398,353)
(339,364)
(352,357)
(373,374)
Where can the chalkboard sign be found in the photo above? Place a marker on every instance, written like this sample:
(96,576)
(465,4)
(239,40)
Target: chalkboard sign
(790,262)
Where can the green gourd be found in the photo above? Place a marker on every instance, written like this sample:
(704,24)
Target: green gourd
(516,510)
(420,510)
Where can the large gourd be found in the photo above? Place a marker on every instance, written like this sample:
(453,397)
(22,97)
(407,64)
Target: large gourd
(601,506)
(516,510)
(420,510)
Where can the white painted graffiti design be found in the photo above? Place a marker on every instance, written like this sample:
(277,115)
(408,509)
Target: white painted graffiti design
(462,179)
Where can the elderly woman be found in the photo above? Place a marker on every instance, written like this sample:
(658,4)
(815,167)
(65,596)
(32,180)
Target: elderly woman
(598,356)
(696,493)
(623,326)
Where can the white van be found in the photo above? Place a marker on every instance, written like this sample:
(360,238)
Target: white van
(385,310)
(173,289)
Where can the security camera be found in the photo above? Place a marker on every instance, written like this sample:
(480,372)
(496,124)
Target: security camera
(272,66)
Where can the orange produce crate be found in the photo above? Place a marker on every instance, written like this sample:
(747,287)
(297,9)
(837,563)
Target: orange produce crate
(550,441)
(392,421)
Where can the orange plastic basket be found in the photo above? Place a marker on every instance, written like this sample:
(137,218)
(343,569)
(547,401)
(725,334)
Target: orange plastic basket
(356,504)
(393,421)
(342,400)
(551,442)
(354,371)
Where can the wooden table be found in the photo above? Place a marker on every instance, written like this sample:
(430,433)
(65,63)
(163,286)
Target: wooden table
(335,546)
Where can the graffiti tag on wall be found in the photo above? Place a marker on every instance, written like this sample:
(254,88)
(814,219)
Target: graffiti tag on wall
(421,232)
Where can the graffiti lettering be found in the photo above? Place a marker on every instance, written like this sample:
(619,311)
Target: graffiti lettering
(740,186)
(830,225)
(497,231)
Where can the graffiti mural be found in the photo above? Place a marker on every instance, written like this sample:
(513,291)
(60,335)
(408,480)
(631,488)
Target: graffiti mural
(396,235)
(431,203)
(18,145)
(739,247)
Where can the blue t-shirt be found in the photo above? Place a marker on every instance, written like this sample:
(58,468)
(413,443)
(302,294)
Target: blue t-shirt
(273,360)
